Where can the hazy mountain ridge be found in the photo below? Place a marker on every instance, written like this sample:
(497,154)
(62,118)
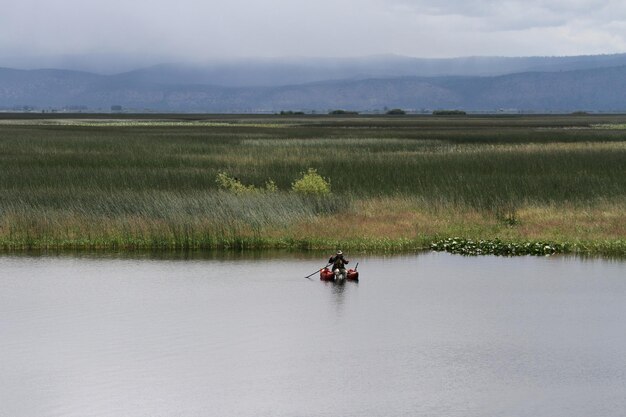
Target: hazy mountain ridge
(280,72)
(185,88)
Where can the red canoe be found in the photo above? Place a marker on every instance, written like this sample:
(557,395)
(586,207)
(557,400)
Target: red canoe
(328,275)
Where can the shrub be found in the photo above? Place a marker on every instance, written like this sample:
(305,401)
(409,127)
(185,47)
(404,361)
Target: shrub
(228,183)
(233,184)
(270,186)
(396,111)
(311,183)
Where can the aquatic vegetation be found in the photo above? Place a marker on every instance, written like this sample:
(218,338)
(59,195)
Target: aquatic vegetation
(113,123)
(610,126)
(462,246)
(404,181)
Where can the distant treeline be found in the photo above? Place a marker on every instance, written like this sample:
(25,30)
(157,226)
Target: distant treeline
(342,112)
(449,113)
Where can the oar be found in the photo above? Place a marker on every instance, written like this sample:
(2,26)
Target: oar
(356,266)
(308,276)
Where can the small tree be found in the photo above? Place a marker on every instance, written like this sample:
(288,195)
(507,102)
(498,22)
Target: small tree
(228,183)
(270,186)
(396,112)
(311,183)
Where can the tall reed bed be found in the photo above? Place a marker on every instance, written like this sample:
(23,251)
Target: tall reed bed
(146,219)
(153,184)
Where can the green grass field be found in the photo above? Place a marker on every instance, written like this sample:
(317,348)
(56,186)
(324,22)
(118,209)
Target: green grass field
(398,183)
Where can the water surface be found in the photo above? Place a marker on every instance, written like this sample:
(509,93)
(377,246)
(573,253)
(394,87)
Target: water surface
(432,335)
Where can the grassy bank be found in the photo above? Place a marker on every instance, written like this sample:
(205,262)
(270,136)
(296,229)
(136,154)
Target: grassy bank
(398,183)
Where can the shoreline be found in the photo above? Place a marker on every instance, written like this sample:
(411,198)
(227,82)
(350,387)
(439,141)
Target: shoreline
(453,245)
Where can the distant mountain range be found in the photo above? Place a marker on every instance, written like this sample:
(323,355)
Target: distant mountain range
(591,83)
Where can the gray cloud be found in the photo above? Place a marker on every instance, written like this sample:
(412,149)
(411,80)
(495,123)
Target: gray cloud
(200,30)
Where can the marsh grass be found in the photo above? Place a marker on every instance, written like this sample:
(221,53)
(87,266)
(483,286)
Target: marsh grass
(152,183)
(153,219)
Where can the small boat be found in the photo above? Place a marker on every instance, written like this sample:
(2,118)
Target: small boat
(327,275)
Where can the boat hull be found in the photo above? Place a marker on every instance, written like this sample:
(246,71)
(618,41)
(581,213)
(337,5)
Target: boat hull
(328,275)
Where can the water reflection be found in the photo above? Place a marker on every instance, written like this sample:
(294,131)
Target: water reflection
(242,335)
(338,291)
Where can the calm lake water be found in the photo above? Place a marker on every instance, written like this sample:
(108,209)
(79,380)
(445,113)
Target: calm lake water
(420,335)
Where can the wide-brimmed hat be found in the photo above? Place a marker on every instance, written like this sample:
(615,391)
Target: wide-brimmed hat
(339,252)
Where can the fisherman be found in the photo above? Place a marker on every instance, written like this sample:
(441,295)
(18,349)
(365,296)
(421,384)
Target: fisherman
(339,263)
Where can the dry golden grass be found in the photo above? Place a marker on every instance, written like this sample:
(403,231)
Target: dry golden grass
(407,218)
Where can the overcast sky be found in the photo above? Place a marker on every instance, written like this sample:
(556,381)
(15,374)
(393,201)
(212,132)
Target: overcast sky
(207,29)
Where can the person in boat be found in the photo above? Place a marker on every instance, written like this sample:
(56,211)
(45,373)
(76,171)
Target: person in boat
(339,262)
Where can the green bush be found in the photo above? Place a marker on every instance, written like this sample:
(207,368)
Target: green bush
(311,183)
(270,186)
(228,183)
